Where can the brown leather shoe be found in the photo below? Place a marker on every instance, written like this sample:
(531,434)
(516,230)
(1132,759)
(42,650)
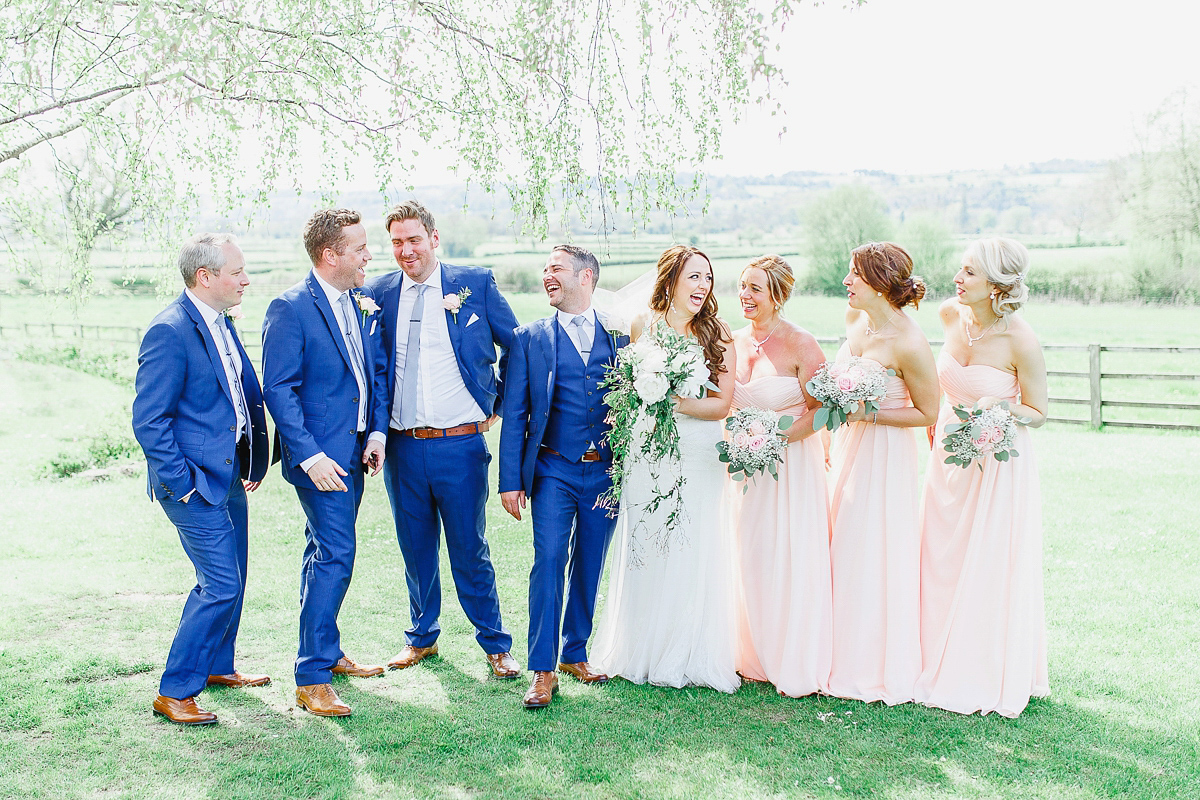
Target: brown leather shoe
(183,712)
(237,680)
(504,665)
(345,666)
(583,672)
(411,656)
(320,699)
(541,691)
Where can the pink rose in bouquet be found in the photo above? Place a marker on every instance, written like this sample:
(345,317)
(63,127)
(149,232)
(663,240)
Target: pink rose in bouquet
(757,428)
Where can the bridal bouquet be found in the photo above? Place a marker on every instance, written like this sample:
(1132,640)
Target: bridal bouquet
(647,372)
(840,387)
(755,444)
(980,432)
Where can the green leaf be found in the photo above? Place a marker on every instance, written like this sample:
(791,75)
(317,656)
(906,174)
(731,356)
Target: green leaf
(821,418)
(962,413)
(785,422)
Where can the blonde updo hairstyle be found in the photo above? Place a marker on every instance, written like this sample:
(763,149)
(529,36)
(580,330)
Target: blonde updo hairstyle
(780,279)
(1005,264)
(887,268)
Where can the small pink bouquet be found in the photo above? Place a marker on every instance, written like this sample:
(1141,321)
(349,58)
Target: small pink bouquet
(755,444)
(981,432)
(841,386)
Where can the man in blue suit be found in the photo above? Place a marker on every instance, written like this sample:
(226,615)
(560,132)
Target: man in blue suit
(323,381)
(198,415)
(441,327)
(553,450)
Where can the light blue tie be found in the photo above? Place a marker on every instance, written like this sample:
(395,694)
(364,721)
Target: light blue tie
(583,336)
(412,358)
(356,356)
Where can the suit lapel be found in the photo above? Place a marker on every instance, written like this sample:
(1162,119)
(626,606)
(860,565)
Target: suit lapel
(450,286)
(210,345)
(545,339)
(335,330)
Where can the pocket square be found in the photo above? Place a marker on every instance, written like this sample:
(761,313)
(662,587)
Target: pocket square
(474,318)
(374,325)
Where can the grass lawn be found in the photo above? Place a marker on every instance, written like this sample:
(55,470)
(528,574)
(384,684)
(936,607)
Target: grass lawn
(96,580)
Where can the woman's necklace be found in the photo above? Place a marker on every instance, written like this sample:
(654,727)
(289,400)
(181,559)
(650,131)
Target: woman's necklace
(971,340)
(873,331)
(757,344)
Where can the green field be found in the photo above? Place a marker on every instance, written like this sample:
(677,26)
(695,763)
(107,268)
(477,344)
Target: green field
(96,578)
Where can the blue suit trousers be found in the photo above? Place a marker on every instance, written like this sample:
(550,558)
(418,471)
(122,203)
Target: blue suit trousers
(214,538)
(325,574)
(570,538)
(436,483)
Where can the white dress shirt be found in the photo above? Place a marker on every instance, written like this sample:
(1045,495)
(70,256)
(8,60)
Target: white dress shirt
(589,317)
(335,298)
(443,400)
(225,344)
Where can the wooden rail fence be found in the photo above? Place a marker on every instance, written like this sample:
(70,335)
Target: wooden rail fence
(1095,375)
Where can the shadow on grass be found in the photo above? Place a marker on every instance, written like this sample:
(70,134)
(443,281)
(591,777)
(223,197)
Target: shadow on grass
(436,731)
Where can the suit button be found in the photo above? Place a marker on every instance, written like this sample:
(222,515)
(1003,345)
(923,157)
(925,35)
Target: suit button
(228,461)
(234,427)
(356,399)
(589,394)
(353,432)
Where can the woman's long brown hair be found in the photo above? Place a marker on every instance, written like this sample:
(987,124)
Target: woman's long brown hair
(705,325)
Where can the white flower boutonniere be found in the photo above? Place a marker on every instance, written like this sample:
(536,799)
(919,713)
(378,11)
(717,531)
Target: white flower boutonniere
(366,305)
(453,302)
(235,312)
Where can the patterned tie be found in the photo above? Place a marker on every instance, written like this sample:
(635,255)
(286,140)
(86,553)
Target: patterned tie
(412,358)
(583,336)
(356,355)
(235,389)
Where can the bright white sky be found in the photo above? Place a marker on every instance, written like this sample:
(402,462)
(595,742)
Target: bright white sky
(919,86)
(933,85)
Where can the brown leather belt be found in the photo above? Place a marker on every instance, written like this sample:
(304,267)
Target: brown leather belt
(590,455)
(442,433)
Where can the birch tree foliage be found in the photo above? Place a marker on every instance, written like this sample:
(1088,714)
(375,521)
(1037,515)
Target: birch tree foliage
(572,107)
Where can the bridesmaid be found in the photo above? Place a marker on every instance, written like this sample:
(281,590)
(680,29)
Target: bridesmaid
(983,639)
(875,547)
(782,527)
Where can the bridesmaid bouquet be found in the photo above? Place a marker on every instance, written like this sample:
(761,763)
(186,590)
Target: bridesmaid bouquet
(647,372)
(755,444)
(981,432)
(840,386)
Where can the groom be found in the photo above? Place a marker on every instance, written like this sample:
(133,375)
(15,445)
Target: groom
(553,450)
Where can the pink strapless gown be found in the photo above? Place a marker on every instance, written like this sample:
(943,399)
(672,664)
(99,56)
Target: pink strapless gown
(875,554)
(983,630)
(782,532)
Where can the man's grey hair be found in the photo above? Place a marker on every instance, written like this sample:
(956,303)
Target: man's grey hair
(581,259)
(203,250)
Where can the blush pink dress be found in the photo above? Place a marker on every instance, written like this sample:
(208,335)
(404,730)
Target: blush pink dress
(785,617)
(875,555)
(983,637)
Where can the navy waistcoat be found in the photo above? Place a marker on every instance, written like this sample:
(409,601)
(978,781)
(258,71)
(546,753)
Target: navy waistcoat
(577,409)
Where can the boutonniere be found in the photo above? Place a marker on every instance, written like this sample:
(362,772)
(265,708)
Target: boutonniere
(234,312)
(366,305)
(453,302)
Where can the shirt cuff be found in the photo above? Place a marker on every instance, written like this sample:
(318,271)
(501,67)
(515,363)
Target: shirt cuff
(307,463)
(378,436)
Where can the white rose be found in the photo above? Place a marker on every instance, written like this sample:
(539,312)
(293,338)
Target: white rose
(691,388)
(651,387)
(653,361)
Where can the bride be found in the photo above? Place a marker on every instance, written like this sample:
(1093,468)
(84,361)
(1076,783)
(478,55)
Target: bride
(669,618)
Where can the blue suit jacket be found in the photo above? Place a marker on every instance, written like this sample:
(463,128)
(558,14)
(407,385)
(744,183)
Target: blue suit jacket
(529,388)
(183,413)
(308,380)
(474,343)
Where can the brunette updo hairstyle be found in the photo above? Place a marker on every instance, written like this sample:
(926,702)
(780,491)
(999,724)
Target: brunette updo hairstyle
(779,278)
(887,269)
(1005,263)
(704,326)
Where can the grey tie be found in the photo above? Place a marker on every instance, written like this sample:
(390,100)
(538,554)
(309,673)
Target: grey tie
(412,358)
(583,336)
(355,351)
(236,389)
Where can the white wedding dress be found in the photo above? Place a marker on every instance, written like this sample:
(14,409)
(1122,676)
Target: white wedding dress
(669,616)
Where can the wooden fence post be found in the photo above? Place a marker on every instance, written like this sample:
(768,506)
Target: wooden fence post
(1094,380)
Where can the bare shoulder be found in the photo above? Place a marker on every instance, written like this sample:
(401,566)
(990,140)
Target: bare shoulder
(853,315)
(1021,334)
(637,326)
(726,332)
(949,310)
